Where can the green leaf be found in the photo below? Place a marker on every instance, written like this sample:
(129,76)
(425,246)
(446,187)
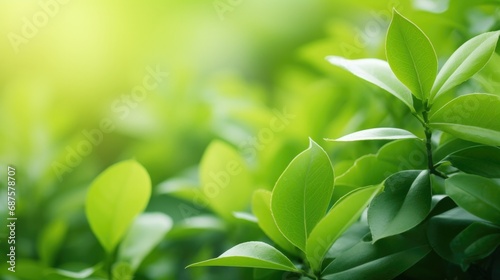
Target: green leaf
(392,157)
(473,117)
(145,233)
(382,133)
(114,199)
(411,56)
(478,195)
(475,242)
(448,147)
(348,239)
(302,194)
(194,226)
(261,206)
(377,72)
(466,61)
(225,180)
(251,254)
(342,215)
(404,203)
(478,160)
(383,260)
(443,228)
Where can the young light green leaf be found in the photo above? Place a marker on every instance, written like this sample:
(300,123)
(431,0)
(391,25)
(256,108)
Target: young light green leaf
(479,160)
(473,117)
(114,199)
(381,133)
(466,61)
(478,195)
(225,179)
(342,215)
(411,56)
(145,233)
(383,260)
(302,194)
(405,202)
(261,206)
(392,157)
(377,72)
(475,242)
(251,254)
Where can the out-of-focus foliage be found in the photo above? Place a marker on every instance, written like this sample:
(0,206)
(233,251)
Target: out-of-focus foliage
(86,84)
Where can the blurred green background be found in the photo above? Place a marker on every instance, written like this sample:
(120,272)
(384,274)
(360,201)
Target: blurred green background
(85,84)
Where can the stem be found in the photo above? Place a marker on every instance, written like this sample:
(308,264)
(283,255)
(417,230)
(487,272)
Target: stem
(108,264)
(428,142)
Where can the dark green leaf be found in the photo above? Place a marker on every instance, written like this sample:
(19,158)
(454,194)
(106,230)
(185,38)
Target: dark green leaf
(383,260)
(475,242)
(443,228)
(405,202)
(479,160)
(478,195)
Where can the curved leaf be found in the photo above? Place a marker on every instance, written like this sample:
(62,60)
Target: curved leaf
(443,228)
(145,233)
(377,72)
(225,180)
(472,117)
(114,199)
(261,207)
(383,260)
(478,160)
(411,56)
(466,61)
(82,274)
(382,133)
(302,194)
(342,215)
(392,157)
(475,242)
(478,195)
(251,254)
(194,226)
(404,203)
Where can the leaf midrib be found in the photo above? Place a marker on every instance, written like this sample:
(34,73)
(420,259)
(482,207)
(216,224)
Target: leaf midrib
(413,63)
